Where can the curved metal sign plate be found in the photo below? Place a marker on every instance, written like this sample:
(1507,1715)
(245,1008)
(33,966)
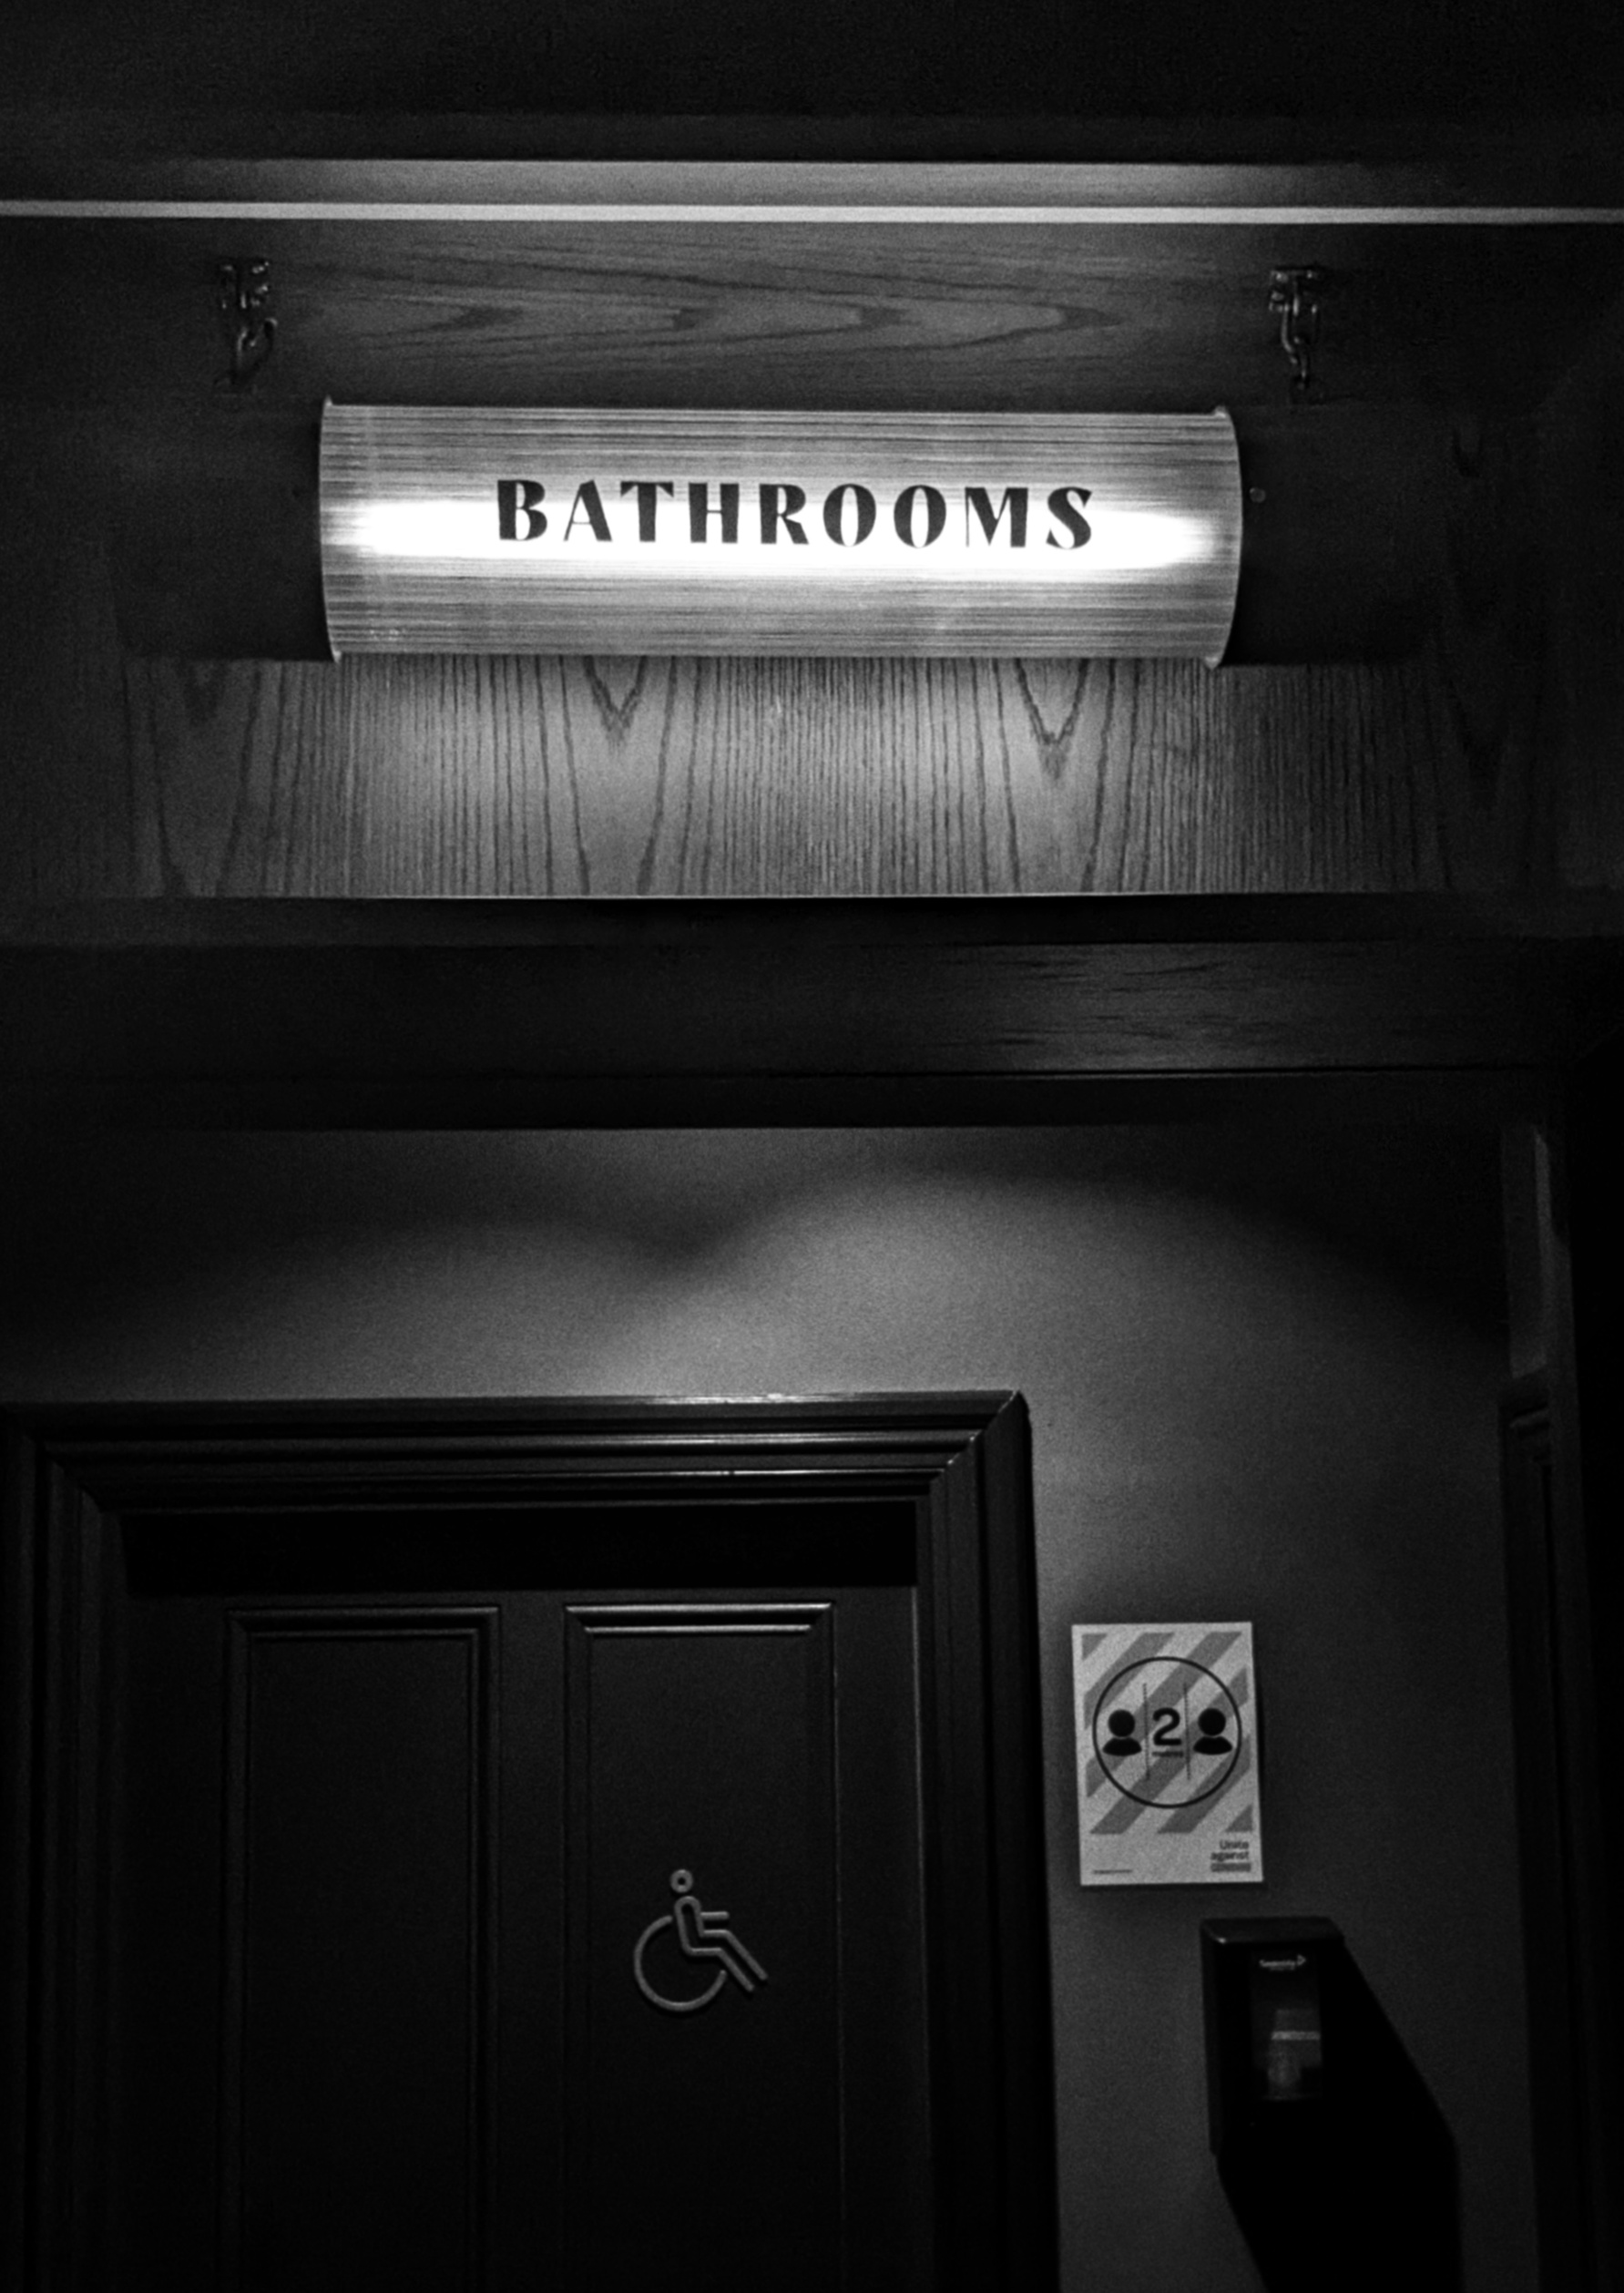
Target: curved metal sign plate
(472,529)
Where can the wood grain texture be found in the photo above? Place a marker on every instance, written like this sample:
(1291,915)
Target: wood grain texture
(802,316)
(575,776)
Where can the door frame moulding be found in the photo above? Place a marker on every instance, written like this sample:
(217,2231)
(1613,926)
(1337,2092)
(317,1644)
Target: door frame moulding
(961,1461)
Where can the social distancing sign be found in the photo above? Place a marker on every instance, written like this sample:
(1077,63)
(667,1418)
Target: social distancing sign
(1167,1772)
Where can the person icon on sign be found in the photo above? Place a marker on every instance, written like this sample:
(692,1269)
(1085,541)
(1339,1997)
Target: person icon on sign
(1123,1739)
(703,1935)
(1214,1736)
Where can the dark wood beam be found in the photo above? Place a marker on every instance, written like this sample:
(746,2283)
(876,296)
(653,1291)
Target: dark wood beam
(834,1011)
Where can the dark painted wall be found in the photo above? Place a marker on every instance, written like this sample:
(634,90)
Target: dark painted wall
(1092,58)
(1262,1378)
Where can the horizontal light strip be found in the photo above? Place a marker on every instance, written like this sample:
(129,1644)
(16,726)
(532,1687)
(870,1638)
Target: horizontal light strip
(650,212)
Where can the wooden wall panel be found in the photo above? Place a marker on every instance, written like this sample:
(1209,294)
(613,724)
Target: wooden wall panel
(126,776)
(65,818)
(575,776)
(1582,500)
(798,314)
(578,776)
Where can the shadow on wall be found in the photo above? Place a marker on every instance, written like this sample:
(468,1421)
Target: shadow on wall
(1363,2189)
(251,1264)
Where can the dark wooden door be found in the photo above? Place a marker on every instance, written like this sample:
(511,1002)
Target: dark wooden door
(519,1904)
(498,1878)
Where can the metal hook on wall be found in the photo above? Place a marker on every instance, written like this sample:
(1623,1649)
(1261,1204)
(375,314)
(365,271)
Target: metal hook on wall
(245,313)
(1295,297)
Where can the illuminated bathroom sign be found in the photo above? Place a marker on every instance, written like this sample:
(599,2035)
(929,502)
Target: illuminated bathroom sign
(467,529)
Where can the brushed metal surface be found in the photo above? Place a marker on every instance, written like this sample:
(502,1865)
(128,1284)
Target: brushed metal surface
(478,529)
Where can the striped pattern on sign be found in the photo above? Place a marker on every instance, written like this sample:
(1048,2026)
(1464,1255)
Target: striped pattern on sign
(1123,1812)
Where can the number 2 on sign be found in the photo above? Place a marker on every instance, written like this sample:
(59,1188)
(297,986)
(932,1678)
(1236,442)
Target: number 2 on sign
(1165,1734)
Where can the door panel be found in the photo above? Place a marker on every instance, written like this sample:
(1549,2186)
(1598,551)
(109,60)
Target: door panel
(355,1947)
(705,2147)
(382,1866)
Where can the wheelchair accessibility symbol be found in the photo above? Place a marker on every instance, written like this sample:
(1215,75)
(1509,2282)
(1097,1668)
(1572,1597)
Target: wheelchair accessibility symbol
(701,1935)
